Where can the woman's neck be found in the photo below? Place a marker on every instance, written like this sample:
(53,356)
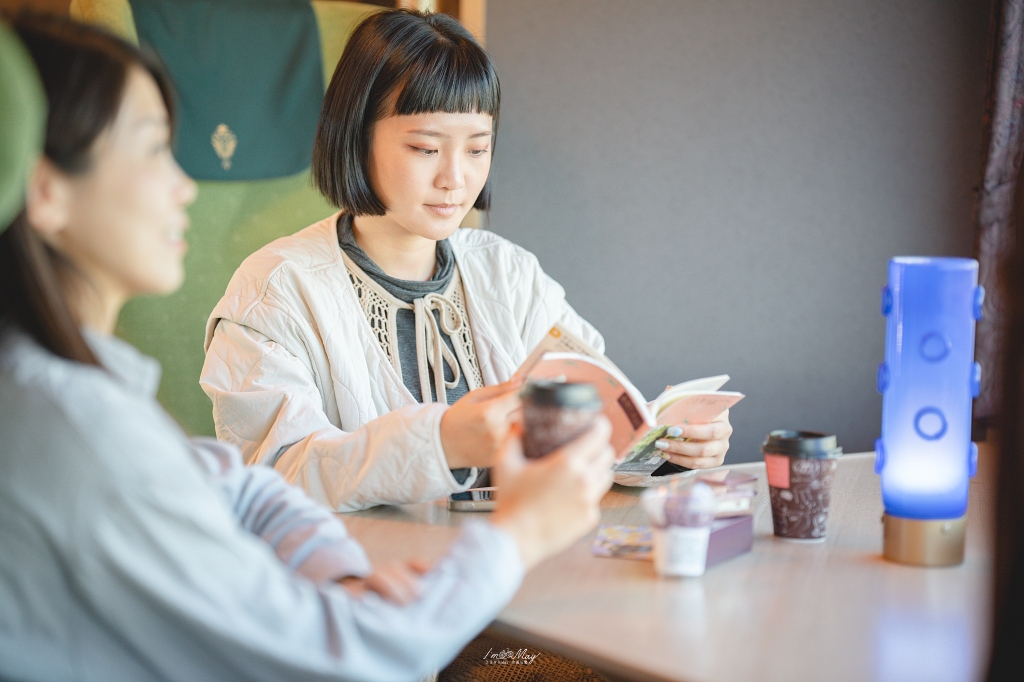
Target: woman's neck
(97,304)
(396,251)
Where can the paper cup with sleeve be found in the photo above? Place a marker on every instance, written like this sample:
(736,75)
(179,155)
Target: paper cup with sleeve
(681,514)
(22,120)
(801,466)
(555,414)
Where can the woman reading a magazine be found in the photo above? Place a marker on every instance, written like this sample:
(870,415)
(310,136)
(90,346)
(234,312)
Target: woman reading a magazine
(128,551)
(368,357)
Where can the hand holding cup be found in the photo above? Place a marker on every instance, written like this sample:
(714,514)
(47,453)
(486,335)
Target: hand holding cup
(546,504)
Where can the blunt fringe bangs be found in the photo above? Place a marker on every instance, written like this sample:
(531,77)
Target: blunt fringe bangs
(397,62)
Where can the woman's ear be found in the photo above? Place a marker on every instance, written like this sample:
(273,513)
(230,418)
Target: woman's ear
(48,199)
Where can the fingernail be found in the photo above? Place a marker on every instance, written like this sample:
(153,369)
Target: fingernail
(674,432)
(661,444)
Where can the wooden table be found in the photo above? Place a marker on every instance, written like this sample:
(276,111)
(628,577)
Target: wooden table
(786,611)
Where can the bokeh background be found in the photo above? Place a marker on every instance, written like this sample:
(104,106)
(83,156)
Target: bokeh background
(718,185)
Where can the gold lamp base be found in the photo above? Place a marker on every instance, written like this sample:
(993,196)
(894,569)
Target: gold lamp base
(923,543)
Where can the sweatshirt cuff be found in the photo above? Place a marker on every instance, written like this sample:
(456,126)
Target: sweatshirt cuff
(334,561)
(497,549)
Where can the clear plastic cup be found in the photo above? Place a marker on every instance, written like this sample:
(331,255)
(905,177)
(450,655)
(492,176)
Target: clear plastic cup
(681,514)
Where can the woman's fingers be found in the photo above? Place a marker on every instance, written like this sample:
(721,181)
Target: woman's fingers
(713,431)
(591,456)
(497,391)
(589,448)
(420,566)
(696,462)
(710,448)
(697,446)
(396,582)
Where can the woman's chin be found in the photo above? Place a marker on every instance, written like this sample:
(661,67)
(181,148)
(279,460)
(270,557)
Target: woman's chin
(163,283)
(438,228)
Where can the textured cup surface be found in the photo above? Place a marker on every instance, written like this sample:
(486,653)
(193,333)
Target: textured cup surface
(549,427)
(800,503)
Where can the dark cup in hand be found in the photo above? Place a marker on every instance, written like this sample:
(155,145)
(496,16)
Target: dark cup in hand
(555,414)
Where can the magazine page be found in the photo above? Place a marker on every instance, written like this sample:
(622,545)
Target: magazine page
(559,340)
(705,385)
(699,408)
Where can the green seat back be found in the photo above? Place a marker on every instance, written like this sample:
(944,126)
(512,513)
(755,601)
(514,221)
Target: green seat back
(230,220)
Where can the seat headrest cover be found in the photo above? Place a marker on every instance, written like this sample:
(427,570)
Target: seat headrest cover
(249,81)
(22,123)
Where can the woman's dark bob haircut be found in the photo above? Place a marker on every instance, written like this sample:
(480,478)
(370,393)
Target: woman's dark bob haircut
(397,62)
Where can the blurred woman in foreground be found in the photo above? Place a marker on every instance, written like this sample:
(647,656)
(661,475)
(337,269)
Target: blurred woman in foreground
(128,551)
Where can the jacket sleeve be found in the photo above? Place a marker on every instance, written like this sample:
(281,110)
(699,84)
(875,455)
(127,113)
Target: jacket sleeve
(305,536)
(266,402)
(166,570)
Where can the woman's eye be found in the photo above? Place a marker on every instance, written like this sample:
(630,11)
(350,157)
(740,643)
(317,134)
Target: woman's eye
(425,152)
(477,152)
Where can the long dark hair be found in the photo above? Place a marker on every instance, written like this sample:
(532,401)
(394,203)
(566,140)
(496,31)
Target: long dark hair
(83,70)
(397,62)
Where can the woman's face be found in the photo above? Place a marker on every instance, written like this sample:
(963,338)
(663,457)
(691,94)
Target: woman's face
(125,218)
(428,169)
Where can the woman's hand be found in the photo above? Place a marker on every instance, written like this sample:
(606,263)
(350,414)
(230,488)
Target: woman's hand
(697,446)
(477,425)
(398,582)
(548,503)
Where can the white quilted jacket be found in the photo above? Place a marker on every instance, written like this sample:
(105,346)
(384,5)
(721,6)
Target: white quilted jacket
(299,381)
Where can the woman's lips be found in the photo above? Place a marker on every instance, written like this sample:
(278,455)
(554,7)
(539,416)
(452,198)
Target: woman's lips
(443,209)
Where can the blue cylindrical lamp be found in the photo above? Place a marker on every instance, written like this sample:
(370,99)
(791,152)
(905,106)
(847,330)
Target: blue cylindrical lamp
(925,456)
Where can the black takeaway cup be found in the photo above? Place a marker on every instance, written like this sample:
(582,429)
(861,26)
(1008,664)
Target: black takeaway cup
(556,413)
(801,466)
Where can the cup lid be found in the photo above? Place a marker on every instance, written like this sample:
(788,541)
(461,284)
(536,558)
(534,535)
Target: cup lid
(802,444)
(570,395)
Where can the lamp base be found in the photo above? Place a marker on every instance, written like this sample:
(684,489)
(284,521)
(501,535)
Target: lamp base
(938,542)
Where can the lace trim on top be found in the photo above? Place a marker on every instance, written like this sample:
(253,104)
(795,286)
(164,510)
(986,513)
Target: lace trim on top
(381,311)
(379,314)
(465,338)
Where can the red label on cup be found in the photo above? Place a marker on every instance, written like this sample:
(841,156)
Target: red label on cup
(778,470)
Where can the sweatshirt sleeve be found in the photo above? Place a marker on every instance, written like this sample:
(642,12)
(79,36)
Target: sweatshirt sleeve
(307,537)
(266,403)
(161,562)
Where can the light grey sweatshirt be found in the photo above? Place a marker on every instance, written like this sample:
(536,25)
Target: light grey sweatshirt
(129,552)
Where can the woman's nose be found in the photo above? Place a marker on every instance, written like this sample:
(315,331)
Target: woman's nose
(450,177)
(187,189)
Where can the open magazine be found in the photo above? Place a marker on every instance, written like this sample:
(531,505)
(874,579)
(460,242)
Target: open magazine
(636,424)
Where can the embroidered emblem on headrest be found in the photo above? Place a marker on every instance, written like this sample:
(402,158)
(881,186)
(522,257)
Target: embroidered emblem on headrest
(224,142)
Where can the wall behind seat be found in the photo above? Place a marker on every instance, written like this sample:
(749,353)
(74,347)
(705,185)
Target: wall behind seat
(719,184)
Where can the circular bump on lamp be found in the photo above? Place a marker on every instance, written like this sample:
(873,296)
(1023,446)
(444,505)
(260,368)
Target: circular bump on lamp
(930,423)
(935,346)
(978,306)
